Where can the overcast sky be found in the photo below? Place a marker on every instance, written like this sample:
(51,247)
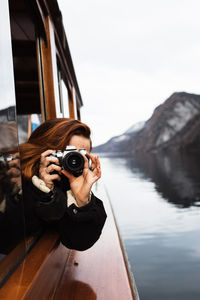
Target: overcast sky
(130,56)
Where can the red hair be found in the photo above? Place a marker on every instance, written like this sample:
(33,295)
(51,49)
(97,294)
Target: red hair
(53,134)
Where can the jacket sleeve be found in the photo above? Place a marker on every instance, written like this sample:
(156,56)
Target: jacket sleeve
(81,227)
(49,206)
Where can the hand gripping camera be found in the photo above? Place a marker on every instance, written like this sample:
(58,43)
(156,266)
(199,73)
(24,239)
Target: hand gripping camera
(4,160)
(71,160)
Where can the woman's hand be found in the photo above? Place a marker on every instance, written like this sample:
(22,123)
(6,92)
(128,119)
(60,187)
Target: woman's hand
(82,185)
(48,164)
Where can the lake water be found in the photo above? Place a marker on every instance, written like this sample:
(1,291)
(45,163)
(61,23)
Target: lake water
(156,200)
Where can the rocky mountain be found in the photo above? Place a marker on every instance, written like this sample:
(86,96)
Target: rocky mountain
(175,124)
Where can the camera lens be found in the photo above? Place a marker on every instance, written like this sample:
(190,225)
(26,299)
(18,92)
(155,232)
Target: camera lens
(73,162)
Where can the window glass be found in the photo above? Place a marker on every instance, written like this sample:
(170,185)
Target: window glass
(26,125)
(11,206)
(75,103)
(60,92)
(55,73)
(65,100)
(6,75)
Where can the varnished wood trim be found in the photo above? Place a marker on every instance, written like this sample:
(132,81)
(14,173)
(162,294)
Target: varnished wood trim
(41,80)
(29,126)
(101,271)
(46,283)
(51,271)
(47,82)
(61,53)
(125,258)
(11,260)
(62,45)
(40,271)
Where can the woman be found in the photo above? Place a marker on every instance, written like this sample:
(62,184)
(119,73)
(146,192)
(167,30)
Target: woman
(55,196)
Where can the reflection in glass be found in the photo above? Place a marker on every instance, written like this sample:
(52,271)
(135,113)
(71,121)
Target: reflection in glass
(11,208)
(26,125)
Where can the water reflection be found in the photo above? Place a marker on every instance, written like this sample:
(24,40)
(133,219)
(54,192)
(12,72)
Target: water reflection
(156,203)
(176,176)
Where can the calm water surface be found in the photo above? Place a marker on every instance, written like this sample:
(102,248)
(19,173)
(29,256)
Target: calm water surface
(156,200)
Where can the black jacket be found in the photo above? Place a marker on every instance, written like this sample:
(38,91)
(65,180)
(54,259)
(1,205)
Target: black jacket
(79,227)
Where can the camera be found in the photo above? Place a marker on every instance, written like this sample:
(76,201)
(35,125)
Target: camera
(4,160)
(4,164)
(71,160)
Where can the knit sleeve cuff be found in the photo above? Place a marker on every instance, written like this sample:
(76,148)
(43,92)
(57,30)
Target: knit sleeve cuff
(40,184)
(72,200)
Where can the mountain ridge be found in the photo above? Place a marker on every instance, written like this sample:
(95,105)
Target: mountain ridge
(174,125)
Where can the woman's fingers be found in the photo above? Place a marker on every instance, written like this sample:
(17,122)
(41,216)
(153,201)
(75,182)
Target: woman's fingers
(98,167)
(45,159)
(45,173)
(49,164)
(95,165)
(55,177)
(68,175)
(52,168)
(86,164)
(93,161)
(44,155)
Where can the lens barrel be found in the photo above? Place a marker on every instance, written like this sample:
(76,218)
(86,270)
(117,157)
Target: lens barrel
(73,162)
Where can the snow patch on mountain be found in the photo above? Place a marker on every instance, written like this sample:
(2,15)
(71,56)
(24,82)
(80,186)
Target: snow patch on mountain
(136,127)
(164,136)
(182,113)
(120,138)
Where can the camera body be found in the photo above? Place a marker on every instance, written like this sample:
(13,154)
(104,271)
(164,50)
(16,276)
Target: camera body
(4,160)
(71,160)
